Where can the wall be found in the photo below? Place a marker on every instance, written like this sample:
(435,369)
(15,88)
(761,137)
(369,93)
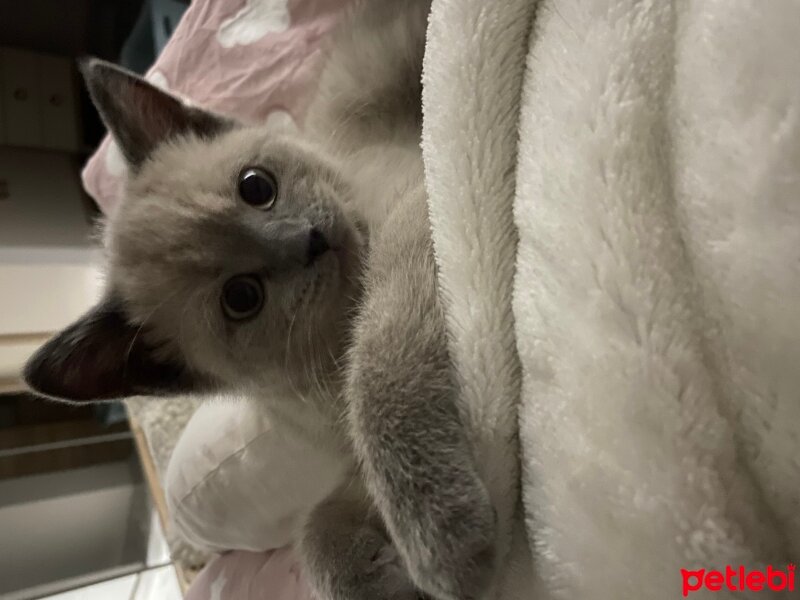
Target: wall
(45,206)
(48,265)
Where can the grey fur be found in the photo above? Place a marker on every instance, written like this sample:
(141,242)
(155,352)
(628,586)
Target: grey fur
(347,552)
(404,421)
(401,389)
(357,339)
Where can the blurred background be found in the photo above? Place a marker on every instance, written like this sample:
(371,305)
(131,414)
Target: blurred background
(80,503)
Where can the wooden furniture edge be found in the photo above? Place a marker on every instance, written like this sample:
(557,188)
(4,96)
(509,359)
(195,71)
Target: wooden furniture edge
(12,385)
(156,491)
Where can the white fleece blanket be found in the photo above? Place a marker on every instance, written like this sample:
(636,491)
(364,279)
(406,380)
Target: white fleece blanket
(646,156)
(469,144)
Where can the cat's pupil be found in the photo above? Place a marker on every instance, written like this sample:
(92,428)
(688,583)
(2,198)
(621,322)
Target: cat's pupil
(242,297)
(257,188)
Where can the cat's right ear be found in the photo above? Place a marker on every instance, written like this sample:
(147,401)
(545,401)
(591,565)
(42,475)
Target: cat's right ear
(103,357)
(141,116)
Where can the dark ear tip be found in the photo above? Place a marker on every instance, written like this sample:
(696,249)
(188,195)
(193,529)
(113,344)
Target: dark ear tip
(35,367)
(86,61)
(93,68)
(95,71)
(88,65)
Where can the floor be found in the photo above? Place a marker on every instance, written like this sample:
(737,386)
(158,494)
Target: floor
(158,581)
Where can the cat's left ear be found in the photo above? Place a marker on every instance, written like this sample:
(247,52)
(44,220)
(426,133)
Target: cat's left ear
(141,116)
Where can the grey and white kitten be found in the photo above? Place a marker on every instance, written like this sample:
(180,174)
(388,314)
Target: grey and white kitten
(298,270)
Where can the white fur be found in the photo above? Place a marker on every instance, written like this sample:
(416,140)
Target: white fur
(656,294)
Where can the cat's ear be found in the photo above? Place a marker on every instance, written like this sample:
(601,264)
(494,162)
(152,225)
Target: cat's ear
(139,115)
(101,357)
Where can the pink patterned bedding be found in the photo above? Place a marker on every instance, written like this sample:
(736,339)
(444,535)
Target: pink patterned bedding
(253,59)
(272,575)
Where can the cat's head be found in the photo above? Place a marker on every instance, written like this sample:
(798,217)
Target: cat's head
(233,257)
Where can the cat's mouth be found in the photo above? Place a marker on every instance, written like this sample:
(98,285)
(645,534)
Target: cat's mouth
(349,248)
(321,270)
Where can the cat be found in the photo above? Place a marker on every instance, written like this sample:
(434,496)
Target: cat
(298,270)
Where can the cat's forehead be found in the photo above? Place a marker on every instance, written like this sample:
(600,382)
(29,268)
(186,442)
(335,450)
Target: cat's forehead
(212,165)
(194,179)
(182,211)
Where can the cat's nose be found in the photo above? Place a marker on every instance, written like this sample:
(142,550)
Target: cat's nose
(317,244)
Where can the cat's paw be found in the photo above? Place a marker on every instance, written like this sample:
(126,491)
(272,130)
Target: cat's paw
(379,572)
(451,554)
(359,564)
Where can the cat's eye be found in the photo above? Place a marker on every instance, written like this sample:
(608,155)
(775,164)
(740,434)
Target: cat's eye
(242,297)
(258,188)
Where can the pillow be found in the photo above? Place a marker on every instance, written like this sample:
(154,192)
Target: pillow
(237,482)
(252,59)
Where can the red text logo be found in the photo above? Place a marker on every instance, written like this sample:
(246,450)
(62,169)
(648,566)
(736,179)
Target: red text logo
(738,579)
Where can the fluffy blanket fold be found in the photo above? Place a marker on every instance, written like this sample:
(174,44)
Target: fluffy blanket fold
(475,59)
(631,171)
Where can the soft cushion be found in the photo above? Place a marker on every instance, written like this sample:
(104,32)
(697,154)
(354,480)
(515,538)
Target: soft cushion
(237,482)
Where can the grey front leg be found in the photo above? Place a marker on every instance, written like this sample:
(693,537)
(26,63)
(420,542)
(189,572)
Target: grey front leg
(347,555)
(405,424)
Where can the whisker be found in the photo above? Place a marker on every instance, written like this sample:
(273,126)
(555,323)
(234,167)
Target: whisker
(141,327)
